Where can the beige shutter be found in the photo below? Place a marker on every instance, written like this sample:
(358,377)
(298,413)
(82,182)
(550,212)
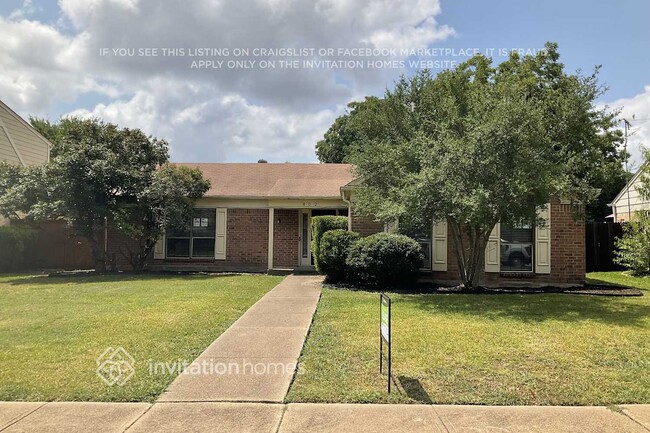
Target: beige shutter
(159,248)
(220,235)
(439,246)
(542,250)
(493,251)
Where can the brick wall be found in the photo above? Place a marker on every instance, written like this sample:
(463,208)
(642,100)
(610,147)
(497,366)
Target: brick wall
(117,247)
(568,265)
(365,226)
(247,237)
(285,238)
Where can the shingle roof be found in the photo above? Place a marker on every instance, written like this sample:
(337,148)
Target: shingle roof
(285,180)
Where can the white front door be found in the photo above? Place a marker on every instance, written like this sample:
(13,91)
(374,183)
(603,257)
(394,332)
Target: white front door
(305,237)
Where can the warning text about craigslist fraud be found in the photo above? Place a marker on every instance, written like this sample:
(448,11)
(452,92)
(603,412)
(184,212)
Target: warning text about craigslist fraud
(314,58)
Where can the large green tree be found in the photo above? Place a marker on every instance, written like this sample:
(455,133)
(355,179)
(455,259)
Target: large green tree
(166,202)
(482,144)
(99,174)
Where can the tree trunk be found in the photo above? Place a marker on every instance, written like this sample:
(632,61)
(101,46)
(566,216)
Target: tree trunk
(470,243)
(97,250)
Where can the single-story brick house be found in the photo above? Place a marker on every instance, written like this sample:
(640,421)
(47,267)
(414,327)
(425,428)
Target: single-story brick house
(257,217)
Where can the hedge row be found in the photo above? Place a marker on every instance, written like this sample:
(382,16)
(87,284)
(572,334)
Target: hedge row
(14,244)
(379,260)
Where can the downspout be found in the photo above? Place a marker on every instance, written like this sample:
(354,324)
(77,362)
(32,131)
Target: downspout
(347,201)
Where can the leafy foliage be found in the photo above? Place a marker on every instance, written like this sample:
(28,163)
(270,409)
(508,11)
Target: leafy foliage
(334,248)
(101,173)
(14,242)
(320,225)
(633,248)
(482,144)
(166,202)
(384,260)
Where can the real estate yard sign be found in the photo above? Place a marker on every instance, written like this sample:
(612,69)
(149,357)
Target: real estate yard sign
(384,334)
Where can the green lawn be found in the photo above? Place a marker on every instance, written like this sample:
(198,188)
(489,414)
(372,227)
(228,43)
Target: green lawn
(551,349)
(53,329)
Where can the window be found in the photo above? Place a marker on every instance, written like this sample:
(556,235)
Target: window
(196,240)
(517,248)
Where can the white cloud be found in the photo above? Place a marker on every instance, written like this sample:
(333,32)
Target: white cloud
(202,124)
(208,114)
(637,111)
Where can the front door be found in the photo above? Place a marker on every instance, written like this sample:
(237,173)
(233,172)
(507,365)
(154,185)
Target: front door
(305,237)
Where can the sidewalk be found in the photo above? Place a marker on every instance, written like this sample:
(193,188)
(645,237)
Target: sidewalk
(320,418)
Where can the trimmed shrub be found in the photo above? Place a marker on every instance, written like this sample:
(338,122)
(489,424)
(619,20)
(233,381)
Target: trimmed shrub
(14,243)
(384,260)
(633,249)
(333,251)
(320,225)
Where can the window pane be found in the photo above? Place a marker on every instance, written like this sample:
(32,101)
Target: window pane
(343,212)
(178,247)
(203,247)
(182,232)
(203,223)
(305,234)
(516,249)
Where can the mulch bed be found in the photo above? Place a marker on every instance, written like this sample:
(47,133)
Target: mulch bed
(429,288)
(587,289)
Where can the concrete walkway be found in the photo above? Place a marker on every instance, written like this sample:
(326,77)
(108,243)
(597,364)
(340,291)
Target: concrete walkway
(254,360)
(319,418)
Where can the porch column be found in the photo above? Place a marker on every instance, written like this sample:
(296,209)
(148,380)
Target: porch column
(270,248)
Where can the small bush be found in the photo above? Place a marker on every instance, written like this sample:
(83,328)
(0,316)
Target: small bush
(384,260)
(14,243)
(320,225)
(333,251)
(634,247)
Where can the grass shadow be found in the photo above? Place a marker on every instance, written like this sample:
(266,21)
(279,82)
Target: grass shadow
(537,309)
(16,280)
(622,281)
(414,389)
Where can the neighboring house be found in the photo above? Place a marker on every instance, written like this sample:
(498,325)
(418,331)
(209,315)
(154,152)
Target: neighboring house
(629,201)
(257,217)
(20,143)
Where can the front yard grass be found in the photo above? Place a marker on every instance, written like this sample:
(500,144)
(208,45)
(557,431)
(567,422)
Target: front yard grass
(506,349)
(53,329)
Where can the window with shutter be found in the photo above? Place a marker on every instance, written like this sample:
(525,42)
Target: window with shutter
(492,259)
(439,246)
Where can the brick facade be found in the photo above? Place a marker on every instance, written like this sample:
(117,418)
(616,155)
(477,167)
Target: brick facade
(286,238)
(568,264)
(247,237)
(365,226)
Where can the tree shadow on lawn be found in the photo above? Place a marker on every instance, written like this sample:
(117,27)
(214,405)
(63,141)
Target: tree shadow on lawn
(108,278)
(622,282)
(535,309)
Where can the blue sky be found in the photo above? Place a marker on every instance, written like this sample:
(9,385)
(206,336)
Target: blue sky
(54,69)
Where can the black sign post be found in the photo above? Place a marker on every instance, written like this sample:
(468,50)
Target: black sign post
(384,334)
